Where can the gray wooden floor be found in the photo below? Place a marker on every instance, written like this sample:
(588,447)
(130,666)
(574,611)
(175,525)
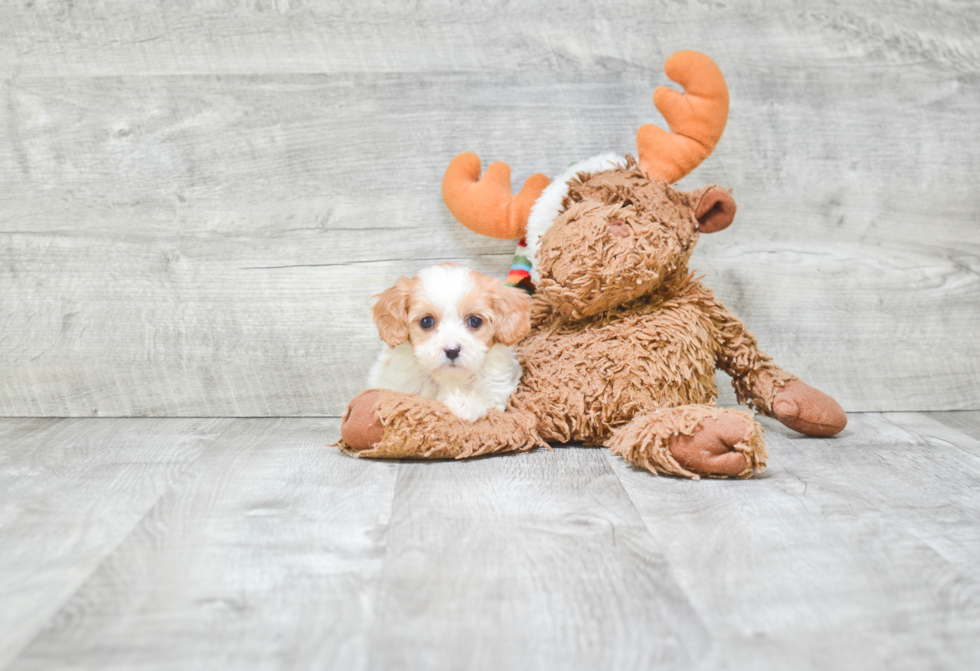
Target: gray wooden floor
(250,544)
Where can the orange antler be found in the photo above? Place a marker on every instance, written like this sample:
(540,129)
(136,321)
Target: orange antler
(487,205)
(696,117)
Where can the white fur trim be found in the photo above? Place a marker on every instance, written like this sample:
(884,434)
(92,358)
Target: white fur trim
(548,204)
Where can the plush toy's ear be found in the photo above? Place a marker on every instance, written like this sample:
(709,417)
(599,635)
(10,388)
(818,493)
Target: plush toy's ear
(390,309)
(715,210)
(513,308)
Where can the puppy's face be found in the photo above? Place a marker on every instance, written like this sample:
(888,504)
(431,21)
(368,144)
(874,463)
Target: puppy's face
(451,315)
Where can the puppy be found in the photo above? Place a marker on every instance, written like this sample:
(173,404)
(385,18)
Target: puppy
(447,334)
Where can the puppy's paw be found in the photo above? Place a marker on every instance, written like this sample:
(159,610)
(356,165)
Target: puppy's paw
(464,408)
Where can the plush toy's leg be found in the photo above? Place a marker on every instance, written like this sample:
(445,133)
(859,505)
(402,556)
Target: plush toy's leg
(388,424)
(692,440)
(766,387)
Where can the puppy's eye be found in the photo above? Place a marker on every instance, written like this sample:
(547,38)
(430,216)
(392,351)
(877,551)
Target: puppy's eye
(474,322)
(427,323)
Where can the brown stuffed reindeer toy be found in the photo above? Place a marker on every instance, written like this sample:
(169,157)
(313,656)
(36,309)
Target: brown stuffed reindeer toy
(624,341)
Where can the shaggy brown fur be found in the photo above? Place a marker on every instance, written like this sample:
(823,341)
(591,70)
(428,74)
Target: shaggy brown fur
(417,428)
(623,347)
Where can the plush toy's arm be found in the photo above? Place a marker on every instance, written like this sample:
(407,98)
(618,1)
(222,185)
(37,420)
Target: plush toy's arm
(764,386)
(755,378)
(392,425)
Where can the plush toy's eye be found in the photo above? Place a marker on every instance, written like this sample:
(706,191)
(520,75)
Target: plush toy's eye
(474,322)
(427,323)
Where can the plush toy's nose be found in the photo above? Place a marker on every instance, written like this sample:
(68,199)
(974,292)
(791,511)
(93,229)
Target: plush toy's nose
(452,353)
(619,229)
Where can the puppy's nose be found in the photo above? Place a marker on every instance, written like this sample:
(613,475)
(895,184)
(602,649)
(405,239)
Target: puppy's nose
(451,353)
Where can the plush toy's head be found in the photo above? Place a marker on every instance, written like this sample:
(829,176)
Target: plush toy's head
(618,236)
(611,228)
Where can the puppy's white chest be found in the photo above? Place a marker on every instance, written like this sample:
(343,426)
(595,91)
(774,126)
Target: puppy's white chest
(469,397)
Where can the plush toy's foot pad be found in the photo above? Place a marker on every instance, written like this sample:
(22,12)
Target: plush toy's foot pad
(360,427)
(808,410)
(693,440)
(711,450)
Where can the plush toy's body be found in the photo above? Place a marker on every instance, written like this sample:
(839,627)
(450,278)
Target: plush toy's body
(624,340)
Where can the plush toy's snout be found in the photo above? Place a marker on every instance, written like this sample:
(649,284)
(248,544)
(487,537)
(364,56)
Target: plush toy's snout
(619,229)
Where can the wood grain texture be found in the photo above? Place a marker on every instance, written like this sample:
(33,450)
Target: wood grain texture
(965,422)
(856,552)
(266,554)
(60,37)
(250,544)
(70,492)
(199,199)
(532,561)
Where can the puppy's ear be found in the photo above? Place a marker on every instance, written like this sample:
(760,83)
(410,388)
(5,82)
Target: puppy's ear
(513,309)
(390,309)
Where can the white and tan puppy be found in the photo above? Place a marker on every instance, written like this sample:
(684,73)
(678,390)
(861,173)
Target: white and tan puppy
(447,334)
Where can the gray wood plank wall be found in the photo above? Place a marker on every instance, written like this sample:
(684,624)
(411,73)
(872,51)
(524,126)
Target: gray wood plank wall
(198,198)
